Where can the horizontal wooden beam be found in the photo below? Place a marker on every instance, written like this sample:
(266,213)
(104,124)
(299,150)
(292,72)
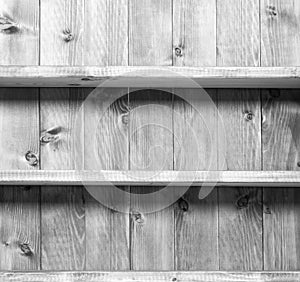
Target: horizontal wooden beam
(132,276)
(154,77)
(154,178)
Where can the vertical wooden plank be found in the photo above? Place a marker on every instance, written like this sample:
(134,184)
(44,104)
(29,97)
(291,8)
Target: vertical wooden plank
(151,148)
(196,229)
(19,206)
(281,132)
(240,218)
(107,230)
(238,33)
(63,224)
(19,32)
(280,26)
(240,214)
(194,32)
(196,220)
(150,32)
(150,43)
(106,43)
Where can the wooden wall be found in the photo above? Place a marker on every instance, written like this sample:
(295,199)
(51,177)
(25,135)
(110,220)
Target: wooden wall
(63,228)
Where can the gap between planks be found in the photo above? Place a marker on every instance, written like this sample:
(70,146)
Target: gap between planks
(150,178)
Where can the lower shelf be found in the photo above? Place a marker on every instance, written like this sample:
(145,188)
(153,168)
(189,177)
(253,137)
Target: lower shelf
(150,178)
(151,276)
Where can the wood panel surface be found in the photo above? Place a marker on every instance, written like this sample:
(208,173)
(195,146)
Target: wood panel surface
(281,113)
(280,40)
(19,206)
(19,32)
(62,208)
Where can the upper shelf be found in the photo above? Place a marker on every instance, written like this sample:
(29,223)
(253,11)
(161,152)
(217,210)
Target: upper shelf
(150,77)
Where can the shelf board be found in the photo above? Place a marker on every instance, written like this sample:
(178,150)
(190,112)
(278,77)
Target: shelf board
(158,276)
(161,77)
(150,178)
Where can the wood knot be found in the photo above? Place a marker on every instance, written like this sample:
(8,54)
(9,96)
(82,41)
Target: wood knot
(174,279)
(271,10)
(178,51)
(31,158)
(125,118)
(68,35)
(242,201)
(7,25)
(183,205)
(248,115)
(267,210)
(138,217)
(26,249)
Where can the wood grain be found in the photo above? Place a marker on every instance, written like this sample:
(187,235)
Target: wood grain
(106,147)
(151,148)
(19,32)
(196,221)
(238,33)
(150,32)
(281,113)
(240,210)
(149,178)
(62,208)
(194,33)
(280,25)
(151,276)
(19,206)
(144,76)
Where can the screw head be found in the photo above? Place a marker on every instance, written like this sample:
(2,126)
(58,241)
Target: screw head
(248,116)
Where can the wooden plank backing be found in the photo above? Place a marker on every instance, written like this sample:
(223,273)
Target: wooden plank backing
(62,208)
(19,32)
(280,26)
(150,276)
(19,207)
(281,132)
(144,76)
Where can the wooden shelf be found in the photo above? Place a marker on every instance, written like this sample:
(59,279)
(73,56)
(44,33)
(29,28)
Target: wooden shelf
(148,178)
(166,276)
(175,77)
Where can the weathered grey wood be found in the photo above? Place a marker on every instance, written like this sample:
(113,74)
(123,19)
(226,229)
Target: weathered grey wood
(194,33)
(19,207)
(106,147)
(240,211)
(150,32)
(62,208)
(238,33)
(196,221)
(151,276)
(280,22)
(151,147)
(144,178)
(281,131)
(19,32)
(177,77)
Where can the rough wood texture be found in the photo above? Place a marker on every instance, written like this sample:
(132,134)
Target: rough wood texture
(19,32)
(19,207)
(280,26)
(150,32)
(62,208)
(196,221)
(106,147)
(160,77)
(238,33)
(194,32)
(281,114)
(151,148)
(190,276)
(240,214)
